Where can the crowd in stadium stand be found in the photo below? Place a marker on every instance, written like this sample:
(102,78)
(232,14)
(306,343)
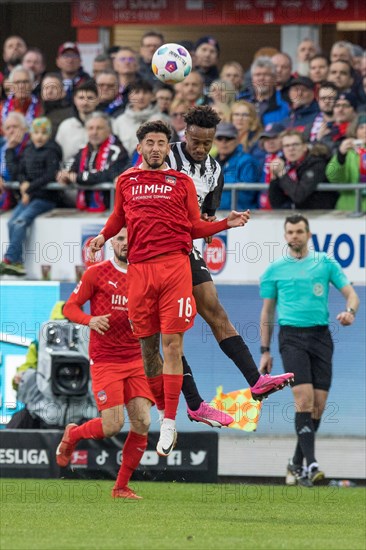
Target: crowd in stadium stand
(317,107)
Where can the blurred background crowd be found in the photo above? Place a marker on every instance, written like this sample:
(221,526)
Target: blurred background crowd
(288,125)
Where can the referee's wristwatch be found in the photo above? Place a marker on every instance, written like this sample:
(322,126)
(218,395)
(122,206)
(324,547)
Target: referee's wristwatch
(351,310)
(264,349)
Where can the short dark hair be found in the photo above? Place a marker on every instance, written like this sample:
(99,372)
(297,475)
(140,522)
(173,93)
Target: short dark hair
(297,218)
(320,56)
(88,86)
(155,34)
(139,85)
(202,116)
(330,85)
(156,126)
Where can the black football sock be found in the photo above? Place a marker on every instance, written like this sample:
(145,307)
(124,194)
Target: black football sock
(306,435)
(189,388)
(299,455)
(237,350)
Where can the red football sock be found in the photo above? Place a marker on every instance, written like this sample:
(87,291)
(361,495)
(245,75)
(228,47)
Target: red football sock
(133,449)
(157,389)
(172,388)
(89,430)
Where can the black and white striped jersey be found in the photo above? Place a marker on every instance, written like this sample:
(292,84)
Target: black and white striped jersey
(207,176)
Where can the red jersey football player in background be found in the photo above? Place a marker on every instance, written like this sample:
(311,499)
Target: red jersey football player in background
(159,207)
(116,366)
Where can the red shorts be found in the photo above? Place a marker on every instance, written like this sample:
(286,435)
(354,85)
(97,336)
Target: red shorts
(117,383)
(160,295)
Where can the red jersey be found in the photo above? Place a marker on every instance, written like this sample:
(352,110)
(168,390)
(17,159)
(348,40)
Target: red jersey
(105,286)
(160,210)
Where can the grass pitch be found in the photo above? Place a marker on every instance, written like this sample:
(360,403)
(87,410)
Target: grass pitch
(75,515)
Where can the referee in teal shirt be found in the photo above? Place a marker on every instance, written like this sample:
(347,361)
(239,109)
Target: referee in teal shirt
(298,285)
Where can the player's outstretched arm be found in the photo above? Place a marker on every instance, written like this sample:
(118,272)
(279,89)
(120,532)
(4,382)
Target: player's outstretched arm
(238,219)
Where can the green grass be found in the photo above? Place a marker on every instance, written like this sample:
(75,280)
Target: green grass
(73,515)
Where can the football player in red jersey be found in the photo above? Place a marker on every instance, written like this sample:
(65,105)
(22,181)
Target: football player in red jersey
(115,362)
(159,207)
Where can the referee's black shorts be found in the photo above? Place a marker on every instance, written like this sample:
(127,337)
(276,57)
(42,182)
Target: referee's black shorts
(200,272)
(307,352)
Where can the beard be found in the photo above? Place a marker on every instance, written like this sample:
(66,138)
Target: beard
(154,165)
(15,60)
(121,257)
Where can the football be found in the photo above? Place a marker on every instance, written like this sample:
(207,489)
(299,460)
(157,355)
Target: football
(171,63)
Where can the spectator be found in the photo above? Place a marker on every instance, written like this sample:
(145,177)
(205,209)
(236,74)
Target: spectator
(305,51)
(283,64)
(318,71)
(270,142)
(34,60)
(263,94)
(304,107)
(223,110)
(363,65)
(357,55)
(101,63)
(21,99)
(207,52)
(344,113)
(110,100)
(324,119)
(191,89)
(348,163)
(164,94)
(69,62)
(71,134)
(340,73)
(101,160)
(233,72)
(38,166)
(112,52)
(126,66)
(222,91)
(16,138)
(294,180)
(245,119)
(13,50)
(150,42)
(341,51)
(177,110)
(237,167)
(139,109)
(55,105)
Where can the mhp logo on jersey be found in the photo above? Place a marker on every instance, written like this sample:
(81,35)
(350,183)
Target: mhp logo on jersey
(171,180)
(215,253)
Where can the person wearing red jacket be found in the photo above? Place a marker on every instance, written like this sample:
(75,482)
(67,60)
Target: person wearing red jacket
(115,363)
(159,207)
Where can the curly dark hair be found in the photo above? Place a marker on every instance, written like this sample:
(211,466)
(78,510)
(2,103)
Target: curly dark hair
(156,126)
(203,116)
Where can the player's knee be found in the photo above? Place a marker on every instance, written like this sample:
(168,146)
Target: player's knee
(213,313)
(112,427)
(142,424)
(172,349)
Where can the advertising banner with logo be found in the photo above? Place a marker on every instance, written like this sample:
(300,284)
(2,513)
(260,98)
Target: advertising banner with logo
(237,256)
(31,453)
(95,13)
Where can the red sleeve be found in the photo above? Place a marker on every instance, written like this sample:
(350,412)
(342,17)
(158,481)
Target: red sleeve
(82,293)
(200,228)
(117,219)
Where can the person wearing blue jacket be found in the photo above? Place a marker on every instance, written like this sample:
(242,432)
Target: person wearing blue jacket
(304,107)
(237,167)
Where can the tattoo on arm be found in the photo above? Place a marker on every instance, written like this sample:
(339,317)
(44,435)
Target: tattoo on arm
(153,362)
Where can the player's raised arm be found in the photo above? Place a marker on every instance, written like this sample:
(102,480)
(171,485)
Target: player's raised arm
(203,229)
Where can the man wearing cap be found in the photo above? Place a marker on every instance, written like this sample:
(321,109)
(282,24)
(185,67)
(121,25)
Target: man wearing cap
(344,113)
(237,167)
(207,51)
(270,143)
(304,107)
(69,62)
